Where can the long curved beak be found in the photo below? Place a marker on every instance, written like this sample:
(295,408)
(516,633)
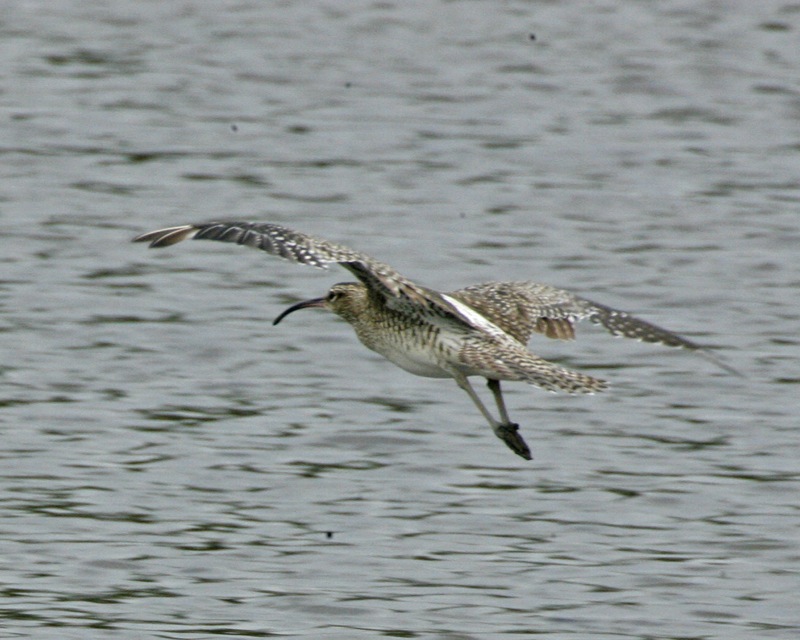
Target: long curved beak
(315,302)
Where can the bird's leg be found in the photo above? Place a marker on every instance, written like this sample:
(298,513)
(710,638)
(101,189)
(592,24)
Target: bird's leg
(494,387)
(507,431)
(511,429)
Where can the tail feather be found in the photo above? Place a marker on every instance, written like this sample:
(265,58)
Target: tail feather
(511,361)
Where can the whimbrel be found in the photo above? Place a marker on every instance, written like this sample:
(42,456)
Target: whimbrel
(481,330)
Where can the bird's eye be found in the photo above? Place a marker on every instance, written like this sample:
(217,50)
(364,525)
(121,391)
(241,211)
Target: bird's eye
(332,295)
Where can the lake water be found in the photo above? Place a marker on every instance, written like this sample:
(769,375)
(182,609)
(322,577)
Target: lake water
(175,467)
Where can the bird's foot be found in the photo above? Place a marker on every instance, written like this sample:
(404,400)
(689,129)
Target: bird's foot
(509,433)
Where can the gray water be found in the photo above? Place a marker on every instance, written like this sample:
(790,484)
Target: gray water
(175,467)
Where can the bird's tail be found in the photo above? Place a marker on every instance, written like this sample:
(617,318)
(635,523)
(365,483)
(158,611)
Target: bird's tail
(511,361)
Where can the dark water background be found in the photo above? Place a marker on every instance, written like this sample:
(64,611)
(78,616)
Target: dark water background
(175,467)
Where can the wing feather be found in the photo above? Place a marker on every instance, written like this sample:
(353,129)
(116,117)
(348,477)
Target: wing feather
(523,308)
(397,292)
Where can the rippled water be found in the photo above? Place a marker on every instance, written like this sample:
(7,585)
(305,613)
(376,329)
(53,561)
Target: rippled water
(175,467)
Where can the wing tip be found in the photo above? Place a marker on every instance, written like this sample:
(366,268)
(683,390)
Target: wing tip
(167,237)
(719,362)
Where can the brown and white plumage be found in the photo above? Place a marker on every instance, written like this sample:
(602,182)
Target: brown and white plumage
(524,308)
(479,330)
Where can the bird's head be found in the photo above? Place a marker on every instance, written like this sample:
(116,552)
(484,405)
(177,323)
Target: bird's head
(346,299)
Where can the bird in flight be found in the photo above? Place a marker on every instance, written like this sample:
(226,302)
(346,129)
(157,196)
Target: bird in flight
(481,330)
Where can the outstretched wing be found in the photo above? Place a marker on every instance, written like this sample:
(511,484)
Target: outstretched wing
(522,308)
(398,292)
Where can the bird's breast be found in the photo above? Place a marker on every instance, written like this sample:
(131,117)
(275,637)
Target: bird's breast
(423,350)
(417,361)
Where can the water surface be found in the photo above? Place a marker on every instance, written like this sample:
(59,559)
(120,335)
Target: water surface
(173,466)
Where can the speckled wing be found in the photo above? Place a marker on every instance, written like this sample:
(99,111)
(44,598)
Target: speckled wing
(399,293)
(522,308)
(272,238)
(620,323)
